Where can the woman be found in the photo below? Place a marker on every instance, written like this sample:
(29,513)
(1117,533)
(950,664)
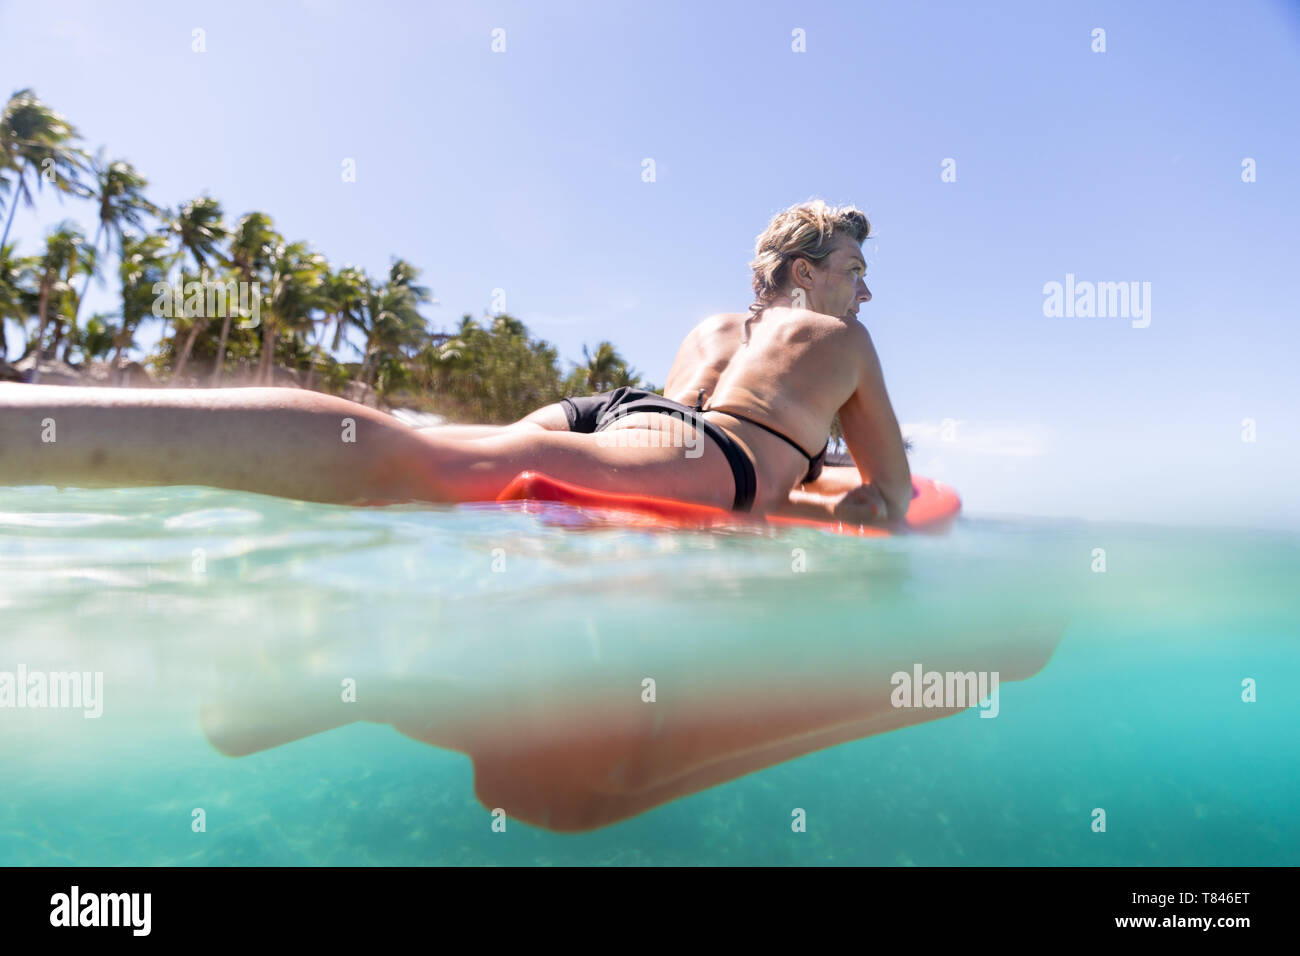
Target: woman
(804,356)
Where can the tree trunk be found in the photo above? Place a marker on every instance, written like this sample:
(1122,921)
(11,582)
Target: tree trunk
(268,353)
(61,326)
(365,364)
(246,275)
(42,306)
(90,274)
(311,368)
(221,350)
(122,339)
(13,206)
(199,321)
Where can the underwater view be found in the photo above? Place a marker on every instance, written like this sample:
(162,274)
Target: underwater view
(266,681)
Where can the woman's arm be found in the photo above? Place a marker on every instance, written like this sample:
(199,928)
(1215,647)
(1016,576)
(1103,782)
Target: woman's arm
(835,480)
(274,441)
(871,431)
(861,504)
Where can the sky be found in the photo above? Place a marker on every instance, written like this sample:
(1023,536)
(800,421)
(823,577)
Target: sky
(995,147)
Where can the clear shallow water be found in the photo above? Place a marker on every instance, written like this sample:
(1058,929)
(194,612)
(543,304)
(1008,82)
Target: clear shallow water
(225,626)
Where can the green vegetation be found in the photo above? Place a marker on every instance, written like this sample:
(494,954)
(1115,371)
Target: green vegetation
(295,331)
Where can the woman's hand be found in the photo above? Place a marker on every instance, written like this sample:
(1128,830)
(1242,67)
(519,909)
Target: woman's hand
(862,505)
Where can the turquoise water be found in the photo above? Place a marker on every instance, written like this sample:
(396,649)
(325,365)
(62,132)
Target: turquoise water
(511,649)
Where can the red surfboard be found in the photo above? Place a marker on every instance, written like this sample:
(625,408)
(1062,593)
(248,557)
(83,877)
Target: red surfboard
(933,509)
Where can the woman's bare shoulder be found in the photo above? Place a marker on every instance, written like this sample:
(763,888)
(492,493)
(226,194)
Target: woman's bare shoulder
(805,325)
(721,323)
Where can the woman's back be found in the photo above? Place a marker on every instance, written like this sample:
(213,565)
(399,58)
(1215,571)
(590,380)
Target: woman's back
(793,371)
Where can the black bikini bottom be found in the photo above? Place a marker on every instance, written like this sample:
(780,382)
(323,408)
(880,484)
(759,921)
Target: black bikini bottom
(592,413)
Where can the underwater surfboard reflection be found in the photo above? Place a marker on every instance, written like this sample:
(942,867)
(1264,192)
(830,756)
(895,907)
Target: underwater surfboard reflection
(654,702)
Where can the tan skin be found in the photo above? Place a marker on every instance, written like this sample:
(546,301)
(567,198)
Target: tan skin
(710,348)
(699,364)
(798,367)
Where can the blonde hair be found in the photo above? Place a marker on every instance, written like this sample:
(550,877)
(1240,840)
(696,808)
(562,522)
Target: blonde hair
(804,231)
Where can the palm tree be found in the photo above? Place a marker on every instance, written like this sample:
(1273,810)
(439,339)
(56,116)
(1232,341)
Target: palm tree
(508,325)
(372,317)
(306,312)
(17,298)
(97,339)
(68,302)
(118,191)
(250,249)
(145,263)
(402,275)
(66,252)
(602,367)
(345,292)
(393,320)
(342,299)
(495,374)
(36,143)
(4,187)
(456,348)
(296,275)
(199,230)
(625,375)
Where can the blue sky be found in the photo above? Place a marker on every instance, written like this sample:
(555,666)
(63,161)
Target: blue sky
(522,171)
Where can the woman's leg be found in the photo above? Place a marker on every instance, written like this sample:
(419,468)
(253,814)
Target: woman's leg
(306,445)
(644,454)
(276,441)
